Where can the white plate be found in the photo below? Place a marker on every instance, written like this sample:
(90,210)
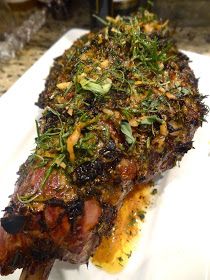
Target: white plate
(175,243)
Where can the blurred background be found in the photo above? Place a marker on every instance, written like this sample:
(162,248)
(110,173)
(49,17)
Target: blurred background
(29,27)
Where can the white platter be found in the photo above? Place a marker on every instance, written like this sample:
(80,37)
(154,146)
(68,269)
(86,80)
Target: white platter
(175,242)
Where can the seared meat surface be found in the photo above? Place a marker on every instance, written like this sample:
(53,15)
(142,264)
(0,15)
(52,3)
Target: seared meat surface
(120,107)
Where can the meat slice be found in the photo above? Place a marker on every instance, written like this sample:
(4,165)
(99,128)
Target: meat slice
(120,107)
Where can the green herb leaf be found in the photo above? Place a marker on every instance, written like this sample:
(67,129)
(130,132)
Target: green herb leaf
(127,131)
(28,198)
(95,87)
(150,120)
(37,129)
(185,91)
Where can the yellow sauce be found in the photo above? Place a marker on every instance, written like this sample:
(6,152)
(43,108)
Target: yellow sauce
(114,251)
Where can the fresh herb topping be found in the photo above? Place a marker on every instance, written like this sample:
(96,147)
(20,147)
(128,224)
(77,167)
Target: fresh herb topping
(150,120)
(98,88)
(127,131)
(126,84)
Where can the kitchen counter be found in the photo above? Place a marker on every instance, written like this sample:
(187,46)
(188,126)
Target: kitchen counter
(195,39)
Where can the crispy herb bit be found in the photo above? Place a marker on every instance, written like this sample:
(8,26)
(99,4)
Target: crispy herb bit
(150,105)
(154,191)
(129,254)
(141,215)
(95,86)
(150,120)
(97,265)
(129,112)
(185,91)
(148,142)
(73,138)
(127,131)
(64,85)
(132,221)
(120,259)
(106,133)
(42,160)
(37,129)
(68,88)
(52,138)
(87,144)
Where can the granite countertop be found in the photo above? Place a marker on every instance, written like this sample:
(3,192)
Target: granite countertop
(195,39)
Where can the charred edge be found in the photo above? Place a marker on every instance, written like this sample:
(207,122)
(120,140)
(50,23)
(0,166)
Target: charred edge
(56,202)
(90,170)
(93,105)
(43,250)
(171,128)
(24,170)
(183,63)
(42,223)
(41,101)
(183,148)
(50,83)
(9,209)
(110,151)
(75,209)
(204,108)
(72,209)
(51,121)
(17,261)
(13,224)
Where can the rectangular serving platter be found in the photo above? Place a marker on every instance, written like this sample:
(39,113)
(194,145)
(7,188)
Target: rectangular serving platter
(174,243)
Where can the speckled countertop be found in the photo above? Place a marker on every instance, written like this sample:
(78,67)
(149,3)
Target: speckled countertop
(195,39)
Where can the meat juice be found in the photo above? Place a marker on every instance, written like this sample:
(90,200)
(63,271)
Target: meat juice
(115,250)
